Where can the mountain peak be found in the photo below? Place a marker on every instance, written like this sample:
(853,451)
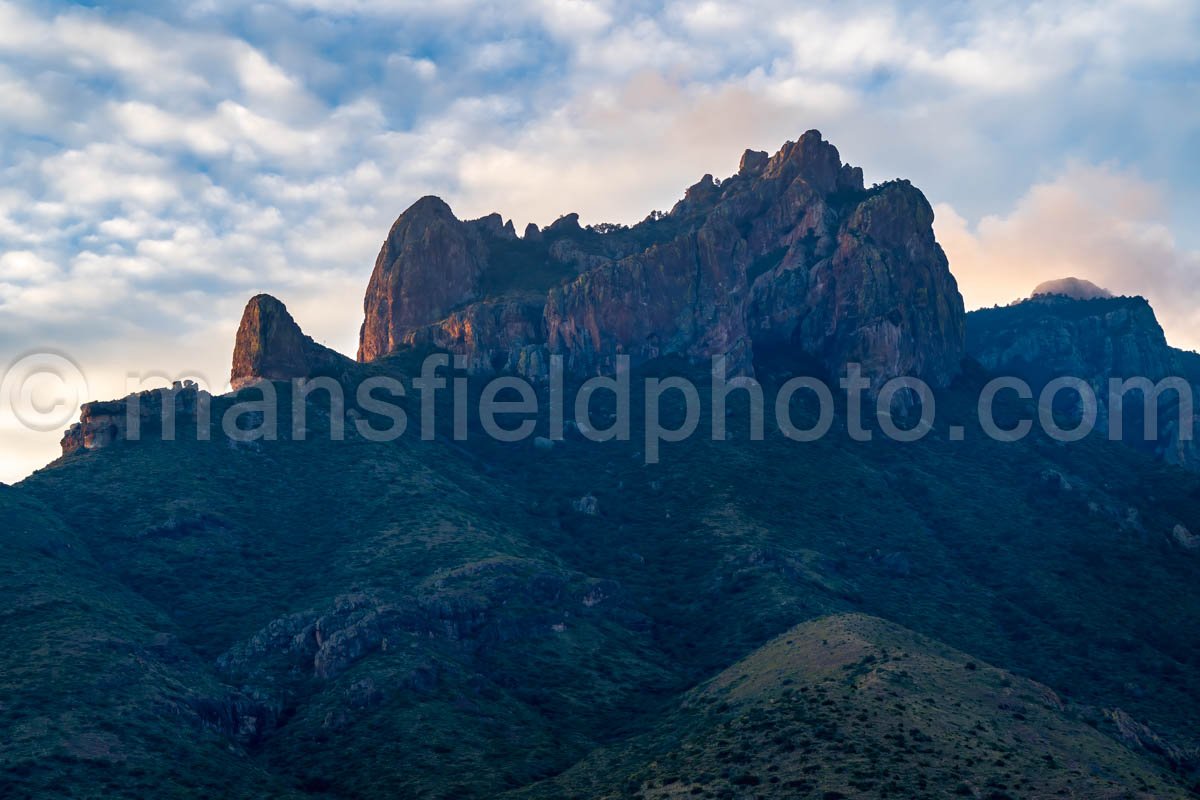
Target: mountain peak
(1073,327)
(817,162)
(430,263)
(271,346)
(1074,288)
(429,205)
(786,253)
(567,223)
(753,161)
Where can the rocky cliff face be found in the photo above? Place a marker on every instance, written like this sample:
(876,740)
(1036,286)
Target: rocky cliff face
(1096,338)
(496,336)
(792,251)
(686,296)
(1049,336)
(865,283)
(271,345)
(430,264)
(142,414)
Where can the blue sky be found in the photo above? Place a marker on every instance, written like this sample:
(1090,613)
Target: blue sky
(162,162)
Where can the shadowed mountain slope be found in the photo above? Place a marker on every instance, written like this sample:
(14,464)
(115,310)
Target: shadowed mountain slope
(438,619)
(850,706)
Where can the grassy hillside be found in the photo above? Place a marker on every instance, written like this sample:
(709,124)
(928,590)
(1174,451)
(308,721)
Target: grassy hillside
(850,706)
(98,696)
(439,619)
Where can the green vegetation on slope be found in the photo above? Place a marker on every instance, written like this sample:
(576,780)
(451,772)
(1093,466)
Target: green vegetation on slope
(432,619)
(850,706)
(98,697)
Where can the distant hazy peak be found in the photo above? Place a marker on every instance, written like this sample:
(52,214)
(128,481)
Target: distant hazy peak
(1074,288)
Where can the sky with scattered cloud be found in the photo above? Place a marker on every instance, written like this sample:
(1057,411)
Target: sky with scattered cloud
(162,162)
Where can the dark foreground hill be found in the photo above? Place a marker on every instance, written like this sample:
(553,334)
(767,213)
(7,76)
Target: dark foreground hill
(440,619)
(849,706)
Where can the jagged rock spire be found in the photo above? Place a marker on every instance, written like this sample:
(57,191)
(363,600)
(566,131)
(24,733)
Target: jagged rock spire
(271,345)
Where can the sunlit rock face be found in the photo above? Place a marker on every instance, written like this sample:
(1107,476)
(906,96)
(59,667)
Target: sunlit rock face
(793,251)
(271,346)
(430,265)
(141,414)
(498,336)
